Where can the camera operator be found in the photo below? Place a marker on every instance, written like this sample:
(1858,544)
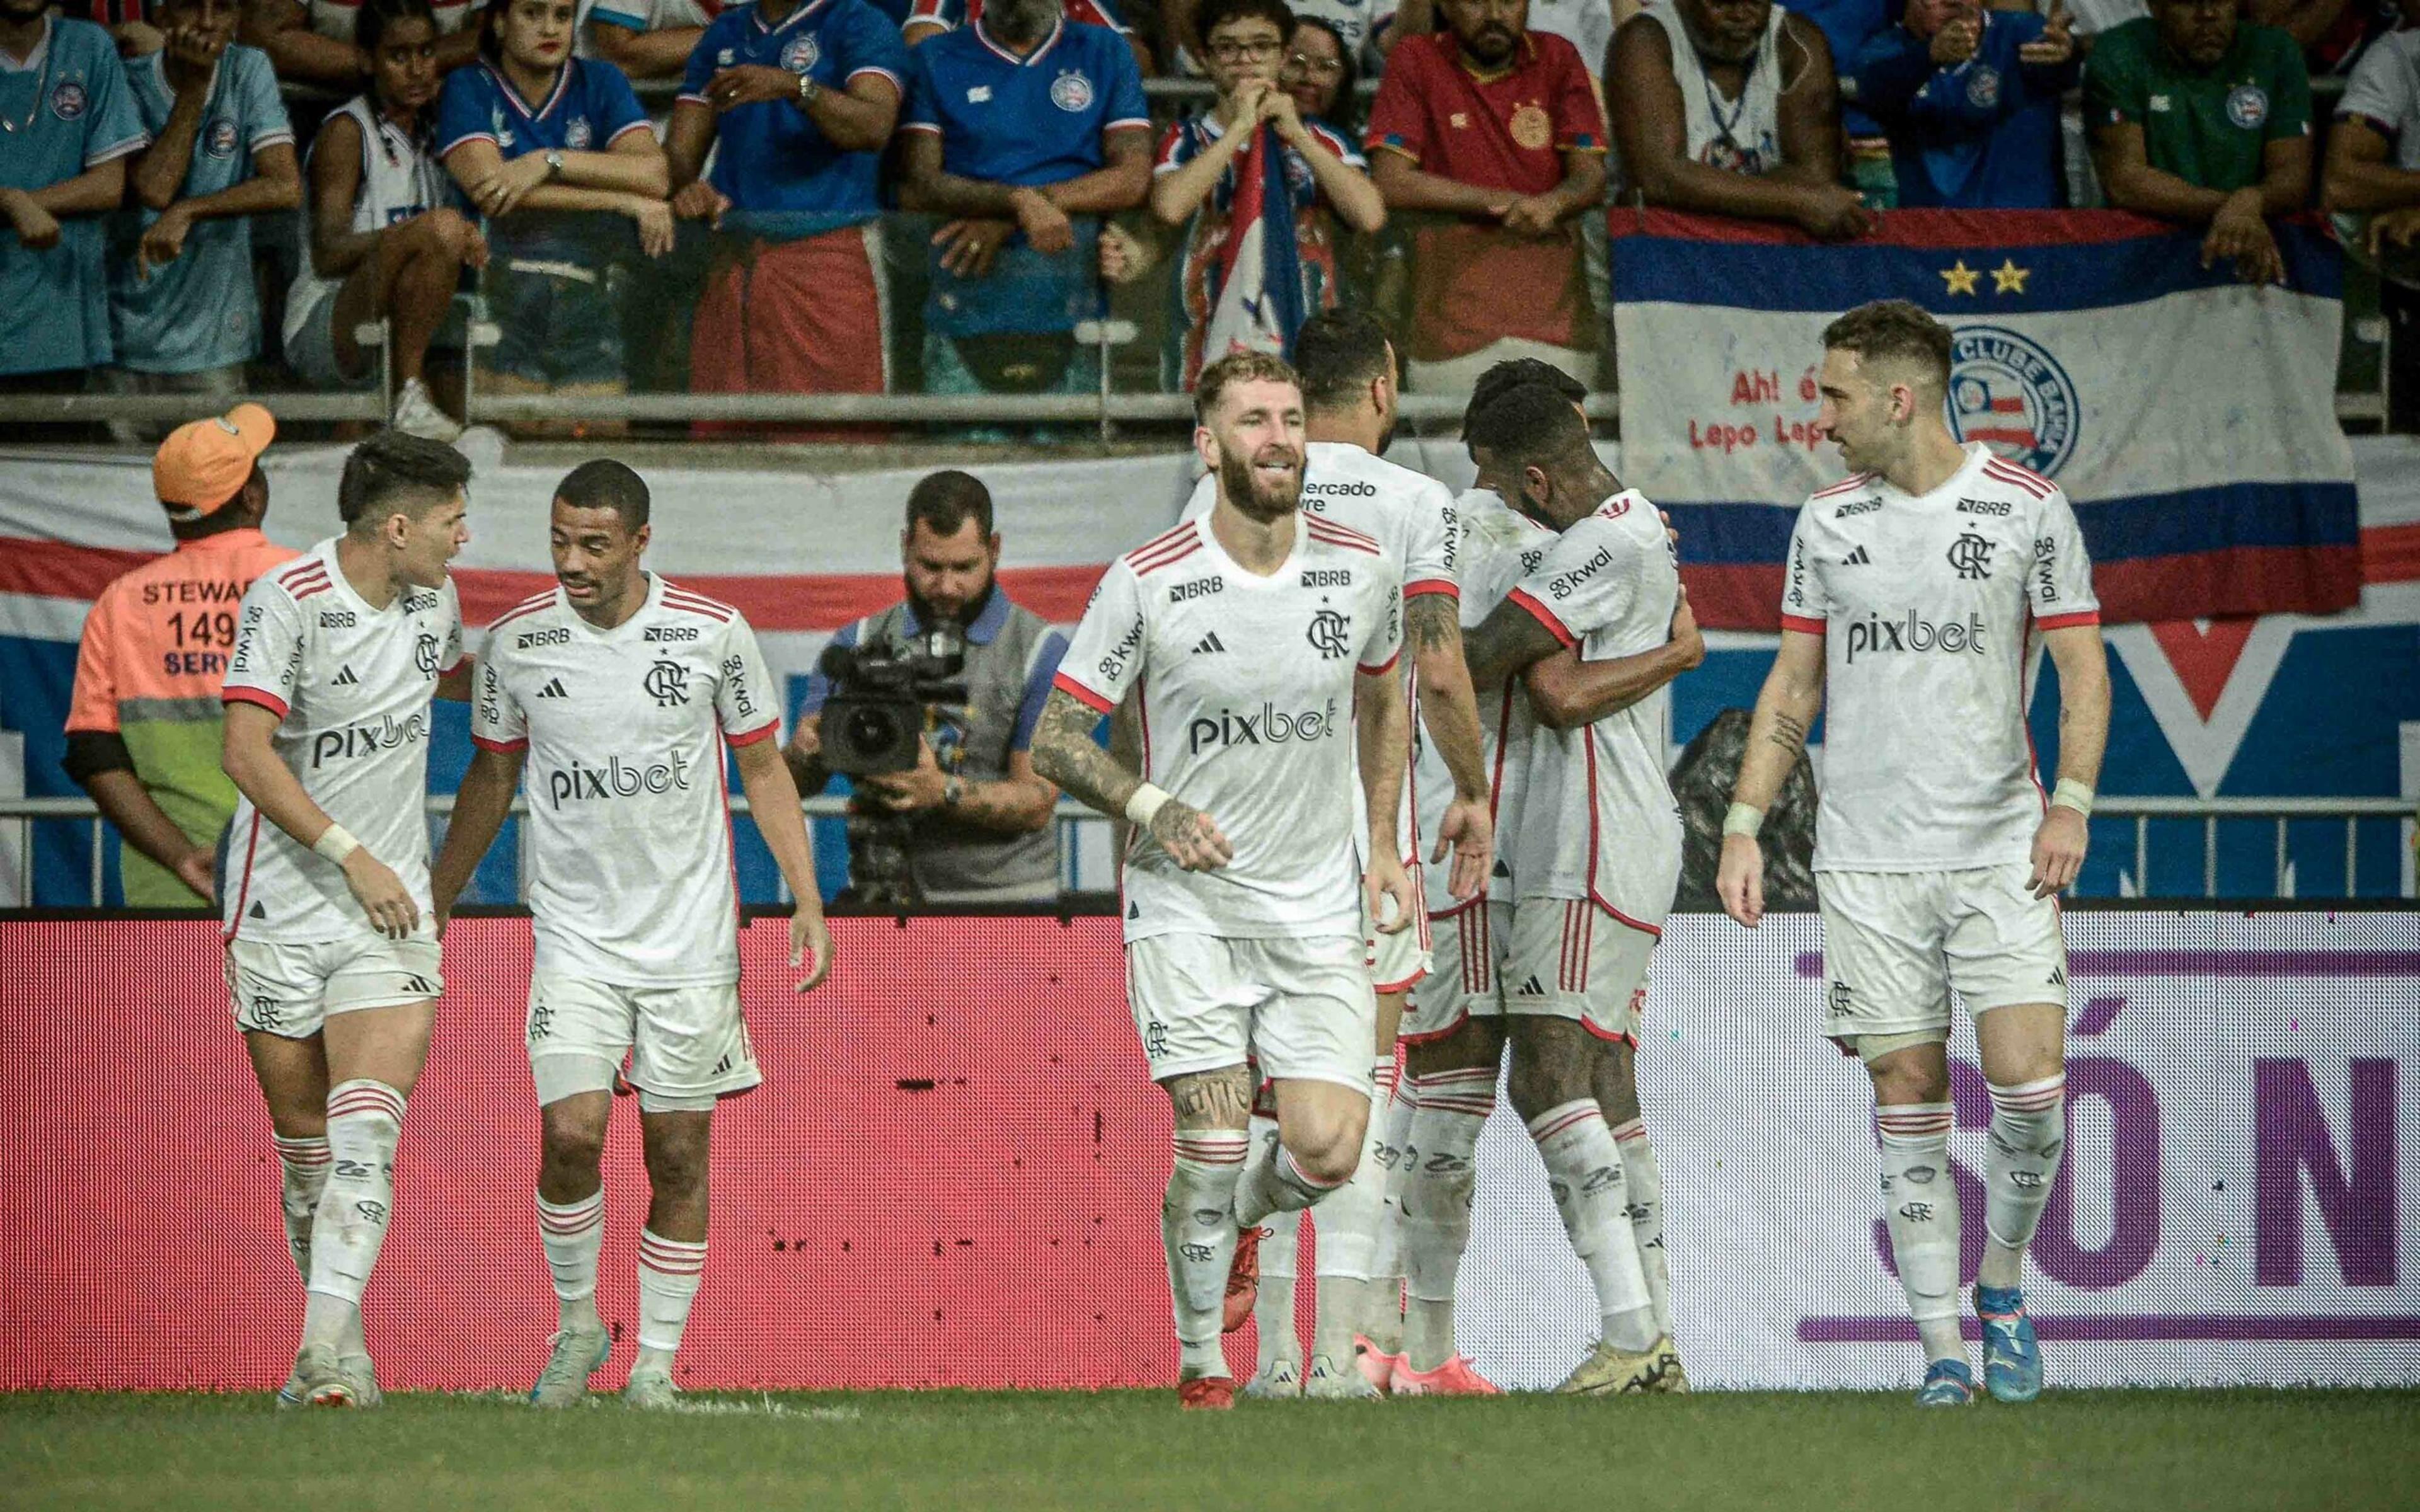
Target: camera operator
(969,822)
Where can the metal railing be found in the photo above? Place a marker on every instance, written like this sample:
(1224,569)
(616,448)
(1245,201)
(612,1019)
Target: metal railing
(1075,821)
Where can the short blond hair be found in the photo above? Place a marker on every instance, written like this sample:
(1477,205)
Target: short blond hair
(1235,368)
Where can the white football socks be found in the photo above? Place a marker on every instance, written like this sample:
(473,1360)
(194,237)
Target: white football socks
(1273,1311)
(1345,1224)
(1450,1108)
(1198,1227)
(1278,1184)
(1583,1170)
(304,1164)
(1392,1120)
(1640,1174)
(572,1235)
(2028,1136)
(1920,1210)
(670,1271)
(365,1121)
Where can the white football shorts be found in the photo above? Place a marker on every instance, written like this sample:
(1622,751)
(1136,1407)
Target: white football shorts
(1303,1009)
(1465,980)
(1572,958)
(687,1045)
(289,990)
(1399,960)
(1896,943)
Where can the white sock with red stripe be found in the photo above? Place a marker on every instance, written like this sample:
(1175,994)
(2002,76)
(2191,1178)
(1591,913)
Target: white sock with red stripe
(1640,1174)
(304,1162)
(1584,1169)
(1438,1175)
(1279,1184)
(2028,1136)
(1390,1124)
(1346,1225)
(365,1121)
(573,1234)
(670,1271)
(1197,1226)
(1920,1210)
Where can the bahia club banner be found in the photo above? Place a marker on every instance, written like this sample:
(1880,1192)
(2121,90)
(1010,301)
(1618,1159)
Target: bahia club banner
(2190,418)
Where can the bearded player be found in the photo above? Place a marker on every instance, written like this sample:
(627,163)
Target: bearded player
(618,692)
(332,953)
(1913,589)
(1251,642)
(1347,368)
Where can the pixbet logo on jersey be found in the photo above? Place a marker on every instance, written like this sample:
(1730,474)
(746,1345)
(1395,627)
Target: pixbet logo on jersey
(365,739)
(616,779)
(1267,726)
(1873,635)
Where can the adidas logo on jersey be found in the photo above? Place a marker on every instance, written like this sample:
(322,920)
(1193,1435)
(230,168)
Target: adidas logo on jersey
(1857,559)
(1532,988)
(553,689)
(1209,644)
(345,678)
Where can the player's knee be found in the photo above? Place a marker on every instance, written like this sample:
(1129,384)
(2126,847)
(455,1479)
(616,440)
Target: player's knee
(572,1135)
(1915,1074)
(1616,1081)
(1473,1043)
(1326,1143)
(677,1160)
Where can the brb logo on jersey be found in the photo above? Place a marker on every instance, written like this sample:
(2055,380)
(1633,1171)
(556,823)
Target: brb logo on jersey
(2009,392)
(1266,726)
(616,779)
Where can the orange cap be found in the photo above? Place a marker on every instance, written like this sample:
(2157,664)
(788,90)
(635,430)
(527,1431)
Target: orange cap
(204,464)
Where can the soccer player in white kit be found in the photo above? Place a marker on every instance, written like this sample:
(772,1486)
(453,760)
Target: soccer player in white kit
(1251,642)
(332,953)
(1347,369)
(1912,589)
(1595,862)
(1526,438)
(617,692)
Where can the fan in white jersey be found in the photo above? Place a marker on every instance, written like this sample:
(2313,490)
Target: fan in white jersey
(332,955)
(1913,591)
(383,245)
(1595,858)
(1259,648)
(617,692)
(1347,369)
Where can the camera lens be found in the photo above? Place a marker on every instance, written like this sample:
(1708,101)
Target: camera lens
(871,729)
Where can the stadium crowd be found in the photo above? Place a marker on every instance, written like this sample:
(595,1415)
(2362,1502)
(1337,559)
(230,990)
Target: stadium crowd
(678,194)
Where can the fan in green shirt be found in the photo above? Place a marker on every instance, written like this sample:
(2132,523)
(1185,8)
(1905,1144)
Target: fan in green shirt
(2199,119)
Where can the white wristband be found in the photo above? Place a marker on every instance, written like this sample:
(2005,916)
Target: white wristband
(1744,819)
(2070,793)
(1144,804)
(337,842)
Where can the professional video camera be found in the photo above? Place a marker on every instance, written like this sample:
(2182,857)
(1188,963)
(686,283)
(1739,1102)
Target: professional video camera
(880,695)
(884,697)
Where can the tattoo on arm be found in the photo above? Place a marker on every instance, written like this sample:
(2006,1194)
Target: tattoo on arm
(1065,754)
(1510,640)
(1430,621)
(1220,1098)
(1788,733)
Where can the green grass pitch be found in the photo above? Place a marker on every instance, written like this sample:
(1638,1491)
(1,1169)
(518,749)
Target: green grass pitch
(977,1452)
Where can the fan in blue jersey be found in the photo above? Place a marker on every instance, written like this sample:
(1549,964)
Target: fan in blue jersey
(1971,96)
(68,125)
(184,312)
(1021,131)
(539,142)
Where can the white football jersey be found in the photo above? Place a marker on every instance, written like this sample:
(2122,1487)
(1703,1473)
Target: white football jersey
(1925,605)
(399,180)
(630,879)
(1245,688)
(1600,821)
(1411,515)
(351,687)
(1500,546)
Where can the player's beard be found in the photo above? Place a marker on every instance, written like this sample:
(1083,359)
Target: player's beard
(1243,488)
